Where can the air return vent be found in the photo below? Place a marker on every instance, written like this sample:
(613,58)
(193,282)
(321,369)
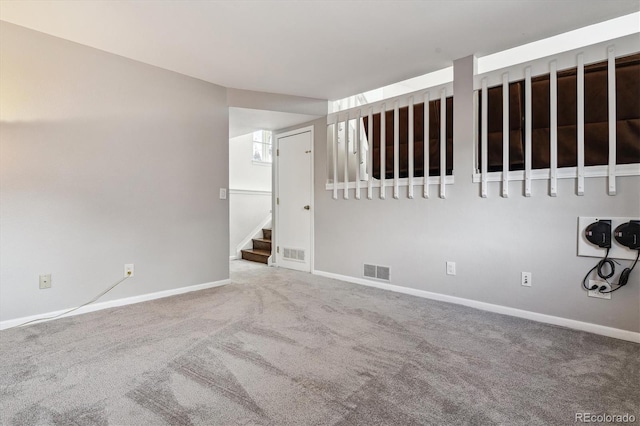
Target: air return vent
(377,272)
(293,254)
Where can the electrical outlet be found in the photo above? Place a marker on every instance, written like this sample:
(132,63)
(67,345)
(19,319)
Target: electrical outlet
(451,268)
(45,281)
(128,270)
(596,293)
(223,193)
(526,279)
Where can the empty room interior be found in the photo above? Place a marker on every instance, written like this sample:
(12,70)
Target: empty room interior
(319,212)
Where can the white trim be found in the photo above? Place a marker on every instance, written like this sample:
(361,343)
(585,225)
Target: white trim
(425,146)
(433,180)
(553,124)
(443,142)
(505,138)
(611,106)
(369,156)
(411,137)
(261,163)
(580,121)
(248,192)
(616,333)
(527,132)
(564,173)
(383,151)
(251,235)
(396,149)
(233,257)
(334,151)
(345,193)
(312,201)
(476,137)
(114,303)
(358,147)
(484,138)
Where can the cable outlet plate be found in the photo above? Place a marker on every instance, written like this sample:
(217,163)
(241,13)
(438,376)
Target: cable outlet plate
(45,281)
(595,293)
(128,270)
(451,268)
(526,279)
(617,251)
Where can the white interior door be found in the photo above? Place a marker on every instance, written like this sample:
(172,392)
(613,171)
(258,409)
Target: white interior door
(294,204)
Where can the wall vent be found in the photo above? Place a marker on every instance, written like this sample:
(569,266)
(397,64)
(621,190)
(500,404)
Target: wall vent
(383,272)
(369,271)
(378,272)
(293,254)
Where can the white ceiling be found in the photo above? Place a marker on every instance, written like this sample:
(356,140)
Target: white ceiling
(320,49)
(245,120)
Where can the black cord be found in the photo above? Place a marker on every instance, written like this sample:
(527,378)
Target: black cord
(599,267)
(606,261)
(624,276)
(584,280)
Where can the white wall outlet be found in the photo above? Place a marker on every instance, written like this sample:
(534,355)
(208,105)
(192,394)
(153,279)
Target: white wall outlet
(223,193)
(128,270)
(451,268)
(45,281)
(617,251)
(526,279)
(596,293)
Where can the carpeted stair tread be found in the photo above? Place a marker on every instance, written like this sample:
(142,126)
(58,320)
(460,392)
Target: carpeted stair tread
(262,240)
(261,244)
(256,255)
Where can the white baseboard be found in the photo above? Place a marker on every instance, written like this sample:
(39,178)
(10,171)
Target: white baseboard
(113,303)
(233,191)
(616,333)
(233,258)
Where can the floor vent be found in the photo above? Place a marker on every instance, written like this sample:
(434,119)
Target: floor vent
(293,254)
(377,272)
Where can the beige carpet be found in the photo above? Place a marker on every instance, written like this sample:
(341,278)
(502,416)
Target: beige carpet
(278,347)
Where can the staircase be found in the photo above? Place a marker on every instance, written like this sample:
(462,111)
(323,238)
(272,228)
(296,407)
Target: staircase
(261,248)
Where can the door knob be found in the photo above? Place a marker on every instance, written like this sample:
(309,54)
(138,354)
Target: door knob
(307,207)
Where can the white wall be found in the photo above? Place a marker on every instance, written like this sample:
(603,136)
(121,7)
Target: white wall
(246,174)
(249,190)
(105,161)
(492,240)
(247,211)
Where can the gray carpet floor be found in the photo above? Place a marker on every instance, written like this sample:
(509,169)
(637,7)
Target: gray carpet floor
(279,347)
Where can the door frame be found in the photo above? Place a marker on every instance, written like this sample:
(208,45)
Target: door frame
(276,194)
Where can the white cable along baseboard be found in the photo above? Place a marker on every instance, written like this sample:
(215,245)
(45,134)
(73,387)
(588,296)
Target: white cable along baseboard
(616,333)
(113,303)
